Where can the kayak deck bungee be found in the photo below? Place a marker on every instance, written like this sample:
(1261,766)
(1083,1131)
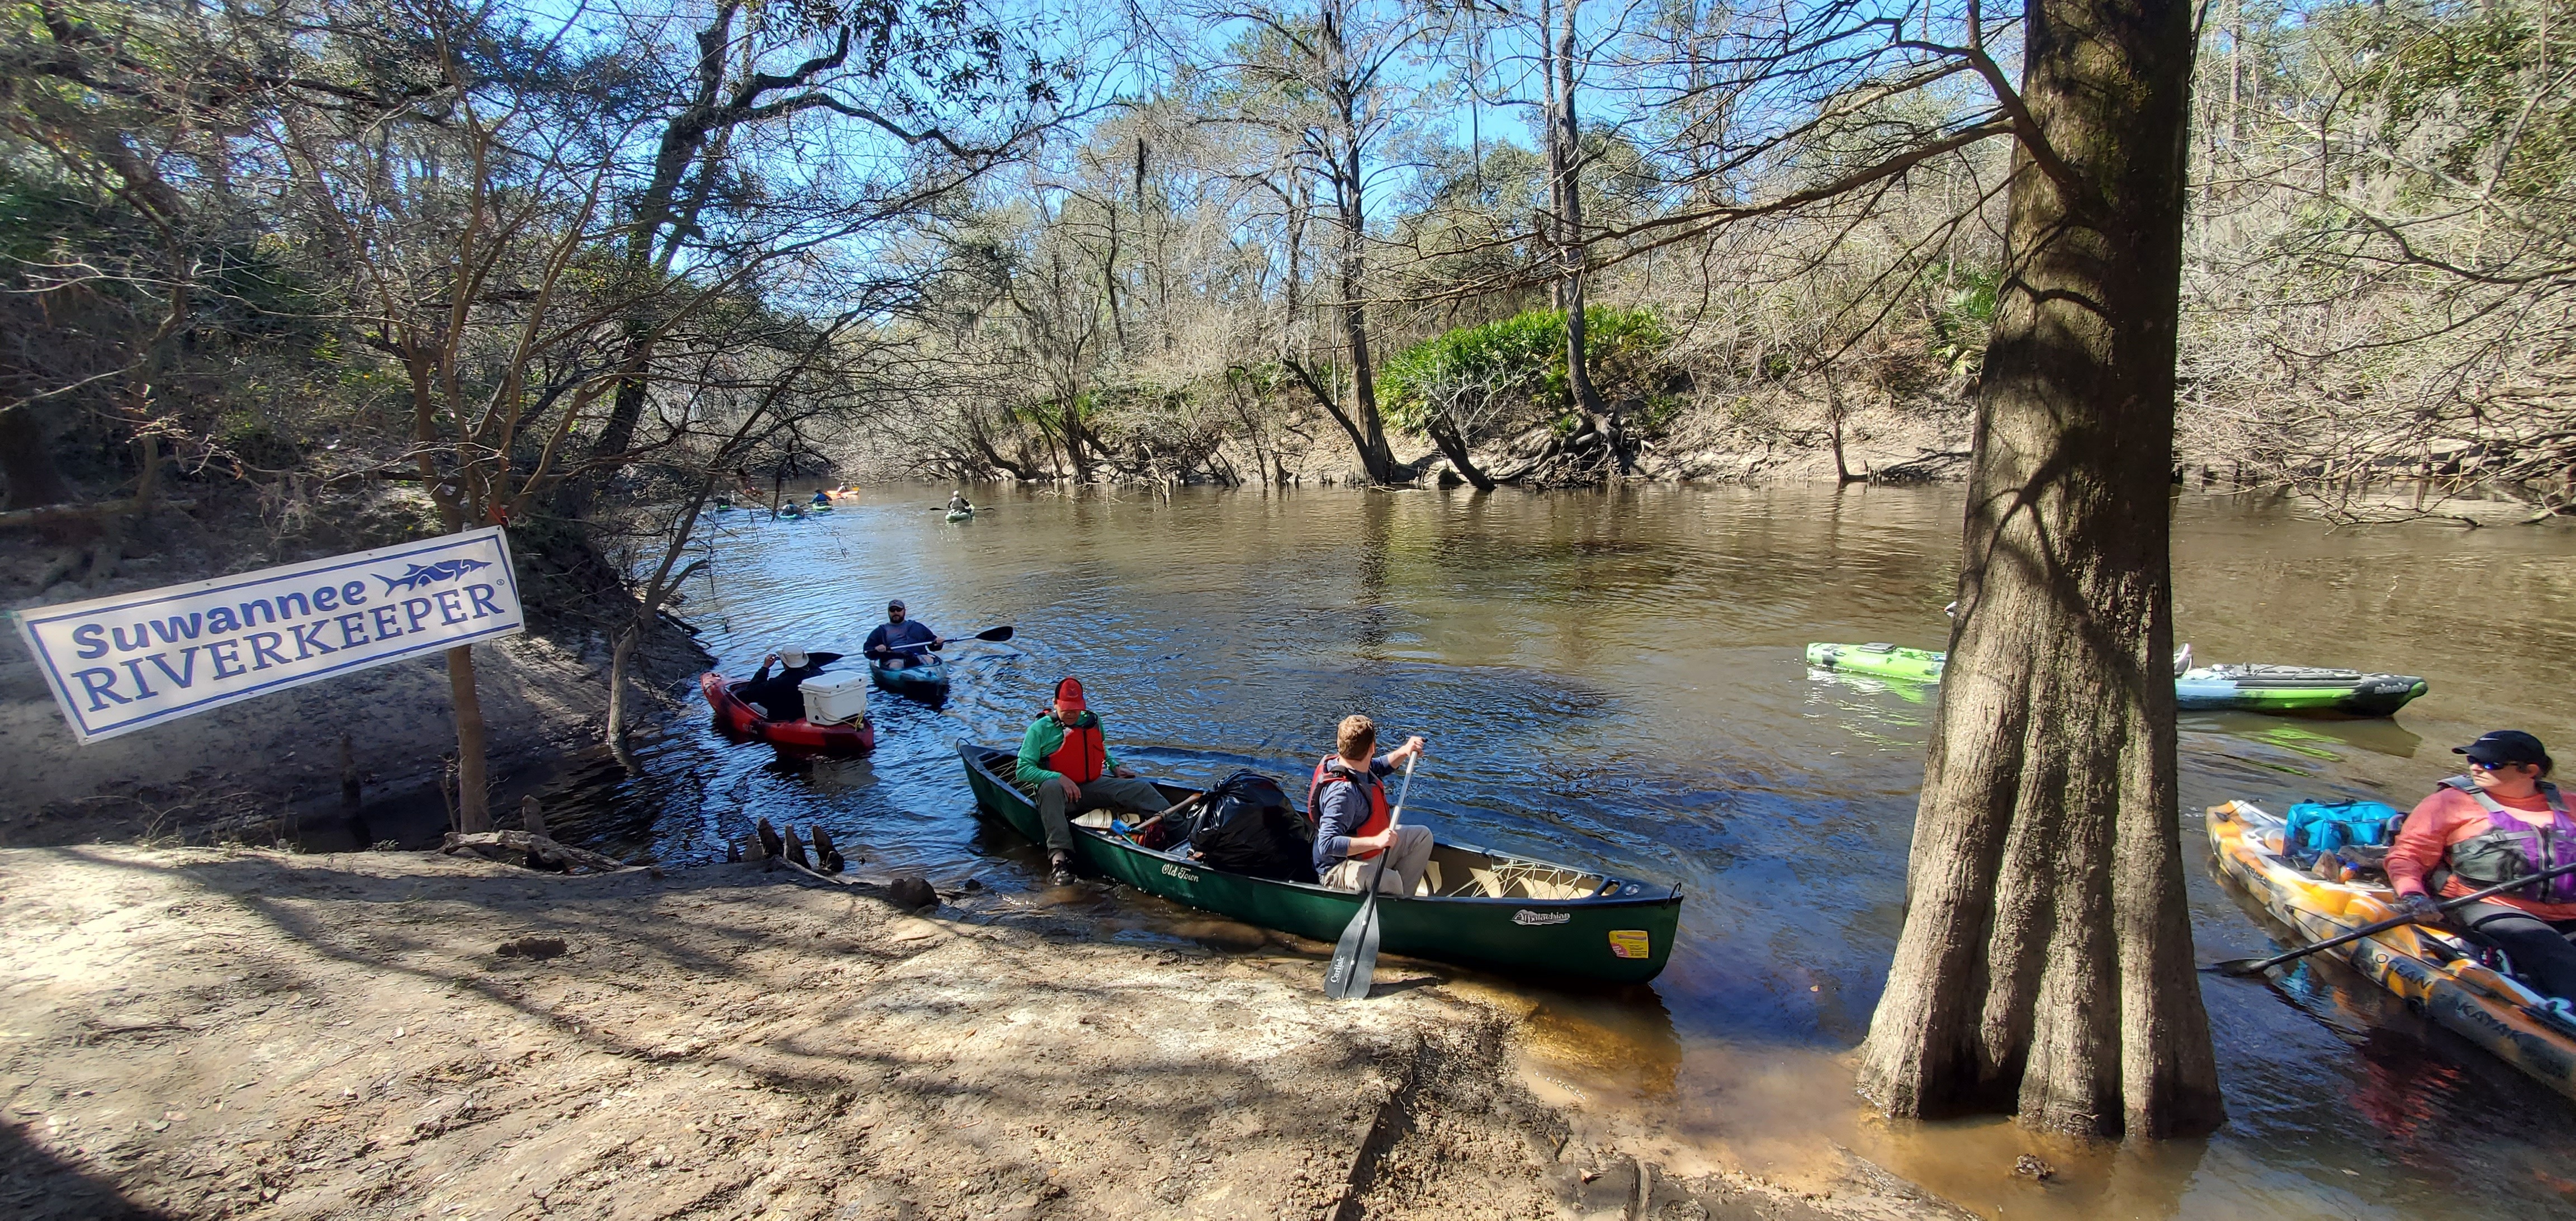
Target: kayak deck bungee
(2434,972)
(2284,690)
(927,681)
(1486,909)
(797,735)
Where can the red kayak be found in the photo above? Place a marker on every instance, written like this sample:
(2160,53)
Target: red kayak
(799,734)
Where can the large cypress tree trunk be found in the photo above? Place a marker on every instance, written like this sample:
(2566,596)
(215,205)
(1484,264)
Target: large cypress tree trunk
(2046,964)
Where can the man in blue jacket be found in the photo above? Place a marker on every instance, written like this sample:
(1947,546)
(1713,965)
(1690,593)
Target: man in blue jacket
(900,642)
(1353,822)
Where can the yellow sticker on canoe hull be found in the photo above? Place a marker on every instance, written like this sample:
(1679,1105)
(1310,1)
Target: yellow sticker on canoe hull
(1629,943)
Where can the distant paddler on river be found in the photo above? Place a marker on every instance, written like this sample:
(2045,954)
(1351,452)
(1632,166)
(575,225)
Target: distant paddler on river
(1065,763)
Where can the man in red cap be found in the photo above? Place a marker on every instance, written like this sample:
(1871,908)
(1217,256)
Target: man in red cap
(1066,762)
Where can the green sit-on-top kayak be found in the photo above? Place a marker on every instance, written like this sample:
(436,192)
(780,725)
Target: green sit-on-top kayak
(1879,660)
(2284,690)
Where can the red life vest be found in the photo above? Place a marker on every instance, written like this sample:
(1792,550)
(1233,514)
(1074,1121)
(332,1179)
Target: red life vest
(1331,770)
(1082,756)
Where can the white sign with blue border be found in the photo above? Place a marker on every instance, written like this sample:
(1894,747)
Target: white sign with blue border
(136,660)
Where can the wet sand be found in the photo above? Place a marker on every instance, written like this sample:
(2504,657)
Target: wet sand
(240,1033)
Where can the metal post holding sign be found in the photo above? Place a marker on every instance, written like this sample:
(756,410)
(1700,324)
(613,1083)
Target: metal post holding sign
(136,660)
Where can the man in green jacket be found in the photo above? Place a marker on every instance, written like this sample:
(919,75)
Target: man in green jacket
(1065,762)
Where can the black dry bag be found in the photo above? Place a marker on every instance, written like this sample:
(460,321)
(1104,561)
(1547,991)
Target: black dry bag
(1247,827)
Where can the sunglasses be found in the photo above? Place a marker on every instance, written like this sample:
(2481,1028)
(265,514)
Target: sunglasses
(2498,765)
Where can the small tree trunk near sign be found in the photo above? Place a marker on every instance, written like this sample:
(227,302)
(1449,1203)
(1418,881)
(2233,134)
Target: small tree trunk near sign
(2046,963)
(473,795)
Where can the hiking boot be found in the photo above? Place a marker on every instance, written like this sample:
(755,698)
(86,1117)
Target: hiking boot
(1060,869)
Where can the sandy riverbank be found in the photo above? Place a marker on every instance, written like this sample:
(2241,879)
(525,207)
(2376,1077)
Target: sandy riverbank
(222,1033)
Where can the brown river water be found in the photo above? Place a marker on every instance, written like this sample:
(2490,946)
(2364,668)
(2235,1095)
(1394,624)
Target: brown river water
(1617,678)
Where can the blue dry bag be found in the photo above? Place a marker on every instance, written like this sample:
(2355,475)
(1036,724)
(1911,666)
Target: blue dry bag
(2316,827)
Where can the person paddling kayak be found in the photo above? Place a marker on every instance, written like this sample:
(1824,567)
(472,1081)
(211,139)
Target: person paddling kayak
(899,641)
(776,694)
(1351,814)
(957,502)
(1065,762)
(2501,821)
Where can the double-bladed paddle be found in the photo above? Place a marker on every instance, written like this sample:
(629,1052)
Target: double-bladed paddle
(997,635)
(2254,966)
(1354,966)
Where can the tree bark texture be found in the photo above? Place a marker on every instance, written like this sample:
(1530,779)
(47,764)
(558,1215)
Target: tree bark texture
(2046,964)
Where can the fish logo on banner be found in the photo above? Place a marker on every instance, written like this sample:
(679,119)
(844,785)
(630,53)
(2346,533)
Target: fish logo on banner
(136,660)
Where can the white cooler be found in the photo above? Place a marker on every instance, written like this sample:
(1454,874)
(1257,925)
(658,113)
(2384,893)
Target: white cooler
(834,699)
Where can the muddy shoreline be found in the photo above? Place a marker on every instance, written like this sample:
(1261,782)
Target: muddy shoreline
(250,1033)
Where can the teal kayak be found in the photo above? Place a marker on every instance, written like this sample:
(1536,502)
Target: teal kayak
(927,681)
(2282,690)
(1477,907)
(960,514)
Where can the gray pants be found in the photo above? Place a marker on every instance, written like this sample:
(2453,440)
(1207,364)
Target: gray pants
(1406,858)
(1106,793)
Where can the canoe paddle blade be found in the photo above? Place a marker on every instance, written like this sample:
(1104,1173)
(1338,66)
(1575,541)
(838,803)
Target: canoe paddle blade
(996,634)
(1347,978)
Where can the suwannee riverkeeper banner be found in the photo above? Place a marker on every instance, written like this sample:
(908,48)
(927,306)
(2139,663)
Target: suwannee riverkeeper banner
(136,660)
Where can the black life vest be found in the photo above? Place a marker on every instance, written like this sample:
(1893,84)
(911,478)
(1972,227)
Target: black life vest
(2515,847)
(1331,770)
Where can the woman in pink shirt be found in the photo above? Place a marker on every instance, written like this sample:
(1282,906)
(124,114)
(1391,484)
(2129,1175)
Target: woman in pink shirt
(2501,821)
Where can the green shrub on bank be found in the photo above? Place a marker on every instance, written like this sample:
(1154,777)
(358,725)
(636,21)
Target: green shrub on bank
(1511,374)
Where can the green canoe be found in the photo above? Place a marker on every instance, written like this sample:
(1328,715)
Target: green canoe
(1488,909)
(960,514)
(928,682)
(2282,690)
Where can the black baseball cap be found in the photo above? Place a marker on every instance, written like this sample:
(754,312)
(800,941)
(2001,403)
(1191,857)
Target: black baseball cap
(2504,746)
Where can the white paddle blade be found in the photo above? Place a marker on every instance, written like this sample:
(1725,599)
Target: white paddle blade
(1340,976)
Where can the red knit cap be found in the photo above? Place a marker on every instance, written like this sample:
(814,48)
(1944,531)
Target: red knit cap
(1068,695)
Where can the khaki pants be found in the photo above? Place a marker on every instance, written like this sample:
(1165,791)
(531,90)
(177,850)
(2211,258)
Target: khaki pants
(1106,793)
(1405,861)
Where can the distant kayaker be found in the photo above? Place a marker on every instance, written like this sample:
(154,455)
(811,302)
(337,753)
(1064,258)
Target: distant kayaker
(957,502)
(776,694)
(900,642)
(1349,804)
(823,499)
(1065,762)
(2501,821)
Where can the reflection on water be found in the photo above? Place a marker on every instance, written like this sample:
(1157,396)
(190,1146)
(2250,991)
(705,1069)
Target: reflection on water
(1618,678)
